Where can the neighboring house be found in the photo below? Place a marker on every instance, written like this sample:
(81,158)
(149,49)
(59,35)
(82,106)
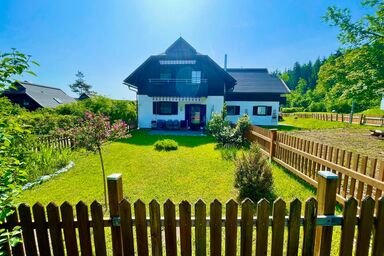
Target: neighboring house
(33,96)
(382,103)
(85,96)
(184,85)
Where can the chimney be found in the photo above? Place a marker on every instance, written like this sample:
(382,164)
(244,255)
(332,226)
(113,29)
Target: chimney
(225,62)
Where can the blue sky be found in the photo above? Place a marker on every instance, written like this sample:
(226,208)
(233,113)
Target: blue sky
(107,40)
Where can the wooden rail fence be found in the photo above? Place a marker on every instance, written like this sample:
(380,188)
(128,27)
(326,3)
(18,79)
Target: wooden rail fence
(55,230)
(359,175)
(336,117)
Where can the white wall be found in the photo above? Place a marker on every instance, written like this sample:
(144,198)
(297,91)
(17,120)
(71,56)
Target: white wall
(382,103)
(247,107)
(145,111)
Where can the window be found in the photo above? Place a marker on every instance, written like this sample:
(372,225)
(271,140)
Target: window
(25,102)
(233,110)
(177,62)
(58,100)
(196,77)
(165,108)
(262,110)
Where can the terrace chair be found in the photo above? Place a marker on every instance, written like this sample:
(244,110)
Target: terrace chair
(160,124)
(176,125)
(169,124)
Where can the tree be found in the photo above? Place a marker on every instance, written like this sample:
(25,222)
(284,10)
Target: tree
(94,130)
(12,144)
(80,86)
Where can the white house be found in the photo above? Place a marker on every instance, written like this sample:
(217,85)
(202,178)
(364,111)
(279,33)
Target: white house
(181,88)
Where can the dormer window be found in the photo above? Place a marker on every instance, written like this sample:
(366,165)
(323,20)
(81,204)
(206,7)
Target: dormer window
(196,77)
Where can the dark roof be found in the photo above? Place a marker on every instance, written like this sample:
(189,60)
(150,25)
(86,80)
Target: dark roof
(45,96)
(256,80)
(180,49)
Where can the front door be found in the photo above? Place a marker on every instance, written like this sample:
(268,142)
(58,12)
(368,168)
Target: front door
(195,116)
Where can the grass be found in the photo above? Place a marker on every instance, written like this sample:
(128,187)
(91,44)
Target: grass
(196,170)
(292,123)
(375,112)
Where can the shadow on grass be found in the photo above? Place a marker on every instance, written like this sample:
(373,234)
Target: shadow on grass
(283,127)
(142,138)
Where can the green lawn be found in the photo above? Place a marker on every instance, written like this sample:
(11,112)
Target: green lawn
(293,123)
(196,170)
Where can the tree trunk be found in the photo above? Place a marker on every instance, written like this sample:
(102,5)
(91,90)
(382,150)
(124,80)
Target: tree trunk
(105,186)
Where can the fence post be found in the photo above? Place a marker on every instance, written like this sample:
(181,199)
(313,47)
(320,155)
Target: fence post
(326,197)
(115,195)
(272,146)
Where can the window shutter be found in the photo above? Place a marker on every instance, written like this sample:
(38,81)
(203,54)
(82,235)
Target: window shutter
(269,111)
(237,110)
(174,108)
(155,108)
(254,111)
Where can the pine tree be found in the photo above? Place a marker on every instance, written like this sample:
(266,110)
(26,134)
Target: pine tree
(80,86)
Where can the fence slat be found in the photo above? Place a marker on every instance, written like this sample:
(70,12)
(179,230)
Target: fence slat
(28,232)
(309,227)
(200,229)
(126,227)
(54,229)
(360,187)
(170,228)
(156,241)
(371,173)
(69,229)
(12,220)
(246,227)
(185,228)
(215,228)
(98,228)
(380,177)
(231,209)
(378,244)
(262,227)
(348,227)
(365,226)
(278,227)
(141,228)
(41,229)
(294,227)
(84,229)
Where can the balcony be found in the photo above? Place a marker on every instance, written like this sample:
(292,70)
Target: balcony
(178,87)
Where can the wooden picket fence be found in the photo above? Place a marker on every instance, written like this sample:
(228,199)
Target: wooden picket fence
(336,117)
(55,230)
(359,175)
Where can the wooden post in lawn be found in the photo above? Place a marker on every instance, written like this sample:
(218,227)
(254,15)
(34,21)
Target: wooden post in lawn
(326,198)
(272,146)
(115,195)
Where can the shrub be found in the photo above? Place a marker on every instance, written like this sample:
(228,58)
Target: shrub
(166,145)
(228,152)
(225,135)
(253,177)
(292,109)
(46,161)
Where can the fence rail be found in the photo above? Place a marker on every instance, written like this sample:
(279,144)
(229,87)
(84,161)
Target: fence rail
(54,229)
(336,117)
(359,175)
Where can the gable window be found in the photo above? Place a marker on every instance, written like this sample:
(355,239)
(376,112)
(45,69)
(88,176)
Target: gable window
(233,110)
(262,110)
(165,108)
(196,77)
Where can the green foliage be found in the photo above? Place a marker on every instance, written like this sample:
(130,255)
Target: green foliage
(46,161)
(166,145)
(80,86)
(292,109)
(114,109)
(222,131)
(373,112)
(253,177)
(228,153)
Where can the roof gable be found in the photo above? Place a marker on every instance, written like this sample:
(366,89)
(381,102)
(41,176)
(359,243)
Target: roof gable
(180,48)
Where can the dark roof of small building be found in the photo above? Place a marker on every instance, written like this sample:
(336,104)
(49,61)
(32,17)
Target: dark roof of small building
(85,95)
(256,80)
(45,96)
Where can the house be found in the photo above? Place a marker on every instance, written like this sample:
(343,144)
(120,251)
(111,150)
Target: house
(33,96)
(186,87)
(382,103)
(85,95)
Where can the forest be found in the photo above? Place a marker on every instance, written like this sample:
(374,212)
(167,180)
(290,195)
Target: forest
(353,75)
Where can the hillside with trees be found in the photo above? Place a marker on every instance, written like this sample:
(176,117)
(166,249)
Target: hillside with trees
(353,75)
